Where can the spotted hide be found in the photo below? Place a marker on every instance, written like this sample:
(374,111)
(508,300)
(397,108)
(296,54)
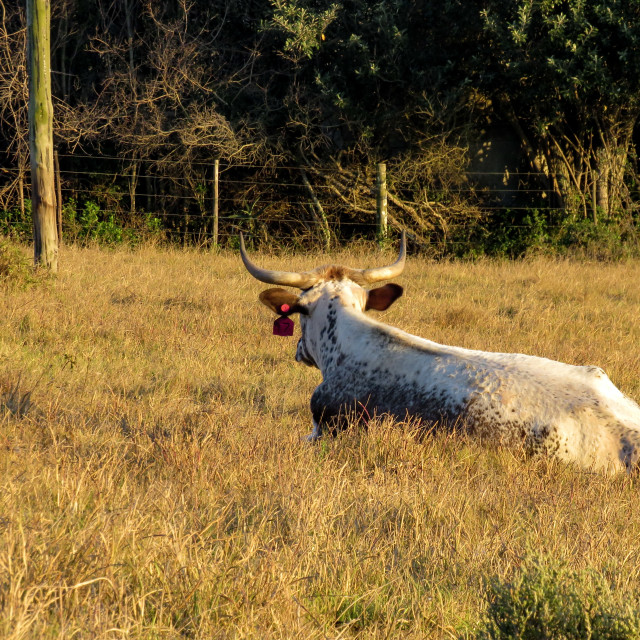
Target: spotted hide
(368,368)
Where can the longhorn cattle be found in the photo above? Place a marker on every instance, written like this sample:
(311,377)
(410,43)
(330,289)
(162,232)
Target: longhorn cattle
(368,368)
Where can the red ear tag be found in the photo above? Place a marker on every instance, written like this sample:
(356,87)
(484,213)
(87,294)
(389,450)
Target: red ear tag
(283,326)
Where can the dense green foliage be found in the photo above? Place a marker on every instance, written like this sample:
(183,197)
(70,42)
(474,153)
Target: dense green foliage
(85,225)
(154,91)
(566,75)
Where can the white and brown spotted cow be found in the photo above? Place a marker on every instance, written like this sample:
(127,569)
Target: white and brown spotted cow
(369,368)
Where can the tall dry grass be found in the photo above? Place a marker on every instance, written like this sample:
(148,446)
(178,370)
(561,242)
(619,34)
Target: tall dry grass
(153,483)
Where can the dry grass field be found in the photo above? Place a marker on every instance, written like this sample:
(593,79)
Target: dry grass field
(153,483)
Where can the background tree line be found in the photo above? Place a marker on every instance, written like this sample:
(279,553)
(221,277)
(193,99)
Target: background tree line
(311,92)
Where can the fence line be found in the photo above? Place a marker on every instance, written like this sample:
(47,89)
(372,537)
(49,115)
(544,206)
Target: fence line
(196,198)
(140,176)
(225,166)
(277,183)
(199,216)
(486,207)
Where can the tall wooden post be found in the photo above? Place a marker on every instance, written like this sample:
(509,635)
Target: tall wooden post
(56,166)
(21,190)
(133,186)
(381,203)
(214,230)
(43,198)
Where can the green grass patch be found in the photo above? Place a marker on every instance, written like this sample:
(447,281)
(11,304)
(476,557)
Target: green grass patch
(547,599)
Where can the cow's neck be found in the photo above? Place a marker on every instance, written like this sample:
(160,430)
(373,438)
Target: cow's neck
(349,335)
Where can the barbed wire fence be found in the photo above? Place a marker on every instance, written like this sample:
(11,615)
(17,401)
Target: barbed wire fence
(215,201)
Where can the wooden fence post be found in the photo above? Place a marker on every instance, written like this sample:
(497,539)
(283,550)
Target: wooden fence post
(133,186)
(214,221)
(56,164)
(381,200)
(21,191)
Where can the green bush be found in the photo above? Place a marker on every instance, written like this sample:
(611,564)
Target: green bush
(16,224)
(514,234)
(89,218)
(548,601)
(15,267)
(610,239)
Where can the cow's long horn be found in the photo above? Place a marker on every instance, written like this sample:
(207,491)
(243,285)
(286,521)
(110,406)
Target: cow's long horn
(377,274)
(302,280)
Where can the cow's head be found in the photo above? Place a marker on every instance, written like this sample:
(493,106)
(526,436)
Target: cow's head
(323,290)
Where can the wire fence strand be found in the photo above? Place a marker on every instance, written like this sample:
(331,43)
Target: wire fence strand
(256,198)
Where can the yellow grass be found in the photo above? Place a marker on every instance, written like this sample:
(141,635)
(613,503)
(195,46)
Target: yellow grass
(153,483)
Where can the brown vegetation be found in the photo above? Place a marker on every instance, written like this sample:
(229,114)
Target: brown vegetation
(153,482)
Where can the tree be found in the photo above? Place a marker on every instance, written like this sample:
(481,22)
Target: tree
(45,233)
(566,75)
(364,81)
(14,91)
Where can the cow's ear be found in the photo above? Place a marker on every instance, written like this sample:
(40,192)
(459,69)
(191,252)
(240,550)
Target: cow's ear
(281,301)
(383,297)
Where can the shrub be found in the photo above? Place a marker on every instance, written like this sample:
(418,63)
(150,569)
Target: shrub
(16,224)
(609,239)
(15,267)
(514,234)
(546,600)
